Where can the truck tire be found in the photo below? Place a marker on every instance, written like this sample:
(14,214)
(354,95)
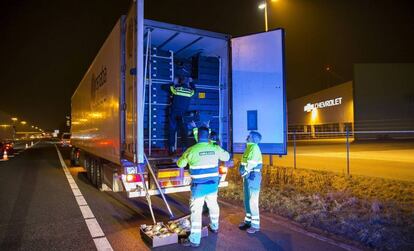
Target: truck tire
(75,157)
(93,171)
(88,167)
(72,154)
(99,175)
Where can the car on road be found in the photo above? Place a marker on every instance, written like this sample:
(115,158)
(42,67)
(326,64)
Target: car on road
(65,139)
(6,146)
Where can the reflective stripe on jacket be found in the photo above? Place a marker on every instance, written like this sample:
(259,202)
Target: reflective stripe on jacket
(251,165)
(252,157)
(203,159)
(181,97)
(182,91)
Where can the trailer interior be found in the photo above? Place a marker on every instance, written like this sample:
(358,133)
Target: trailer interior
(171,51)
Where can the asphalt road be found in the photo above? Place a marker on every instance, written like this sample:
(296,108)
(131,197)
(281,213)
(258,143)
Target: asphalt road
(38,211)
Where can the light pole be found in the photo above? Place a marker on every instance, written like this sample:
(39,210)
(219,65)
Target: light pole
(263,6)
(14,119)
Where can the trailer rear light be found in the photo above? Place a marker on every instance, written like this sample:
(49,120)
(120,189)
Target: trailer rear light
(133,178)
(222,170)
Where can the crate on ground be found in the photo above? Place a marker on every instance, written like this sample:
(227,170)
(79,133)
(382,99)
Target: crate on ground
(182,227)
(158,238)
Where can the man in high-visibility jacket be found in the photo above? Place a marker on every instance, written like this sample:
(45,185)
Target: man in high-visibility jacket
(182,91)
(203,159)
(250,170)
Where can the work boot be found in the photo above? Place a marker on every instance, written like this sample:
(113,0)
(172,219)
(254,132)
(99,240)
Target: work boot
(212,230)
(252,230)
(187,243)
(244,225)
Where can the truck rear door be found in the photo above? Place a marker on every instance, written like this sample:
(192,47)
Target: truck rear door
(258,91)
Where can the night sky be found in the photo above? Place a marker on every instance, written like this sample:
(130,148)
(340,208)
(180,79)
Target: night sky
(46,46)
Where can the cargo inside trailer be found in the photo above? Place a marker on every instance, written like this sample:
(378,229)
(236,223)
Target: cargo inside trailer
(171,51)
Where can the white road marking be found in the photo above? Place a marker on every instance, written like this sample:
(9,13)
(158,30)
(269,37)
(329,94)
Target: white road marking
(73,185)
(86,212)
(101,242)
(81,201)
(76,192)
(94,228)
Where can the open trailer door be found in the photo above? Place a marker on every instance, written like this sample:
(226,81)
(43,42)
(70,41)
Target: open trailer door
(258,91)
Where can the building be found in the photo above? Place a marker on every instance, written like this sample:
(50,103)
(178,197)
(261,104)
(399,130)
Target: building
(378,104)
(324,114)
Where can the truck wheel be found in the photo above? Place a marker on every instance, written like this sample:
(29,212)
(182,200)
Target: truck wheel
(88,167)
(74,157)
(99,175)
(93,171)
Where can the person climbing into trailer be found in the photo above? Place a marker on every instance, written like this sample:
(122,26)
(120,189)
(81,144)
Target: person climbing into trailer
(250,170)
(203,159)
(182,90)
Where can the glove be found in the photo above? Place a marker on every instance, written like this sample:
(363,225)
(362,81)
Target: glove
(242,170)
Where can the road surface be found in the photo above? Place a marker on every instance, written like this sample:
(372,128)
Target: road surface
(41,209)
(390,160)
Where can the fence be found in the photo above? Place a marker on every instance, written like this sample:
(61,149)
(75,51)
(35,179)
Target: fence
(385,154)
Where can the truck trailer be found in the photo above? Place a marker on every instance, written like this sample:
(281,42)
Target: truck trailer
(120,108)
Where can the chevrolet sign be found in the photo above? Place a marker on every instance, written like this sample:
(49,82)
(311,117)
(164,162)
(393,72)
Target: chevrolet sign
(319,105)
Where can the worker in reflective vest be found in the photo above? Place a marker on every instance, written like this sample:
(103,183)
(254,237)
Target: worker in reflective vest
(213,137)
(203,159)
(182,91)
(250,170)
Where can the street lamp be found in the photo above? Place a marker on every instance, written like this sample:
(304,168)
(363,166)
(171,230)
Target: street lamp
(23,122)
(14,119)
(263,6)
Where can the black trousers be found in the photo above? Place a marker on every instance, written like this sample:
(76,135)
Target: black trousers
(176,124)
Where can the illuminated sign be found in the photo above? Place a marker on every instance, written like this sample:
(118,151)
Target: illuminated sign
(319,105)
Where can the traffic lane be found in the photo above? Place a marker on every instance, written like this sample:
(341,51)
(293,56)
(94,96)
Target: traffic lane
(38,210)
(120,219)
(118,216)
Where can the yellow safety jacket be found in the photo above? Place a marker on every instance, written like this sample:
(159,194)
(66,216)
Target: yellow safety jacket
(203,159)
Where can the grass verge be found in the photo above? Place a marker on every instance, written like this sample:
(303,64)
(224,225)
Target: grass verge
(378,213)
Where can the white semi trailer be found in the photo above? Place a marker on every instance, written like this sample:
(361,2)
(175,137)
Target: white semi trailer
(120,109)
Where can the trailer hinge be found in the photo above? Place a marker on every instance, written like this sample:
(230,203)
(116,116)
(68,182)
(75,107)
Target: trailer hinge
(133,71)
